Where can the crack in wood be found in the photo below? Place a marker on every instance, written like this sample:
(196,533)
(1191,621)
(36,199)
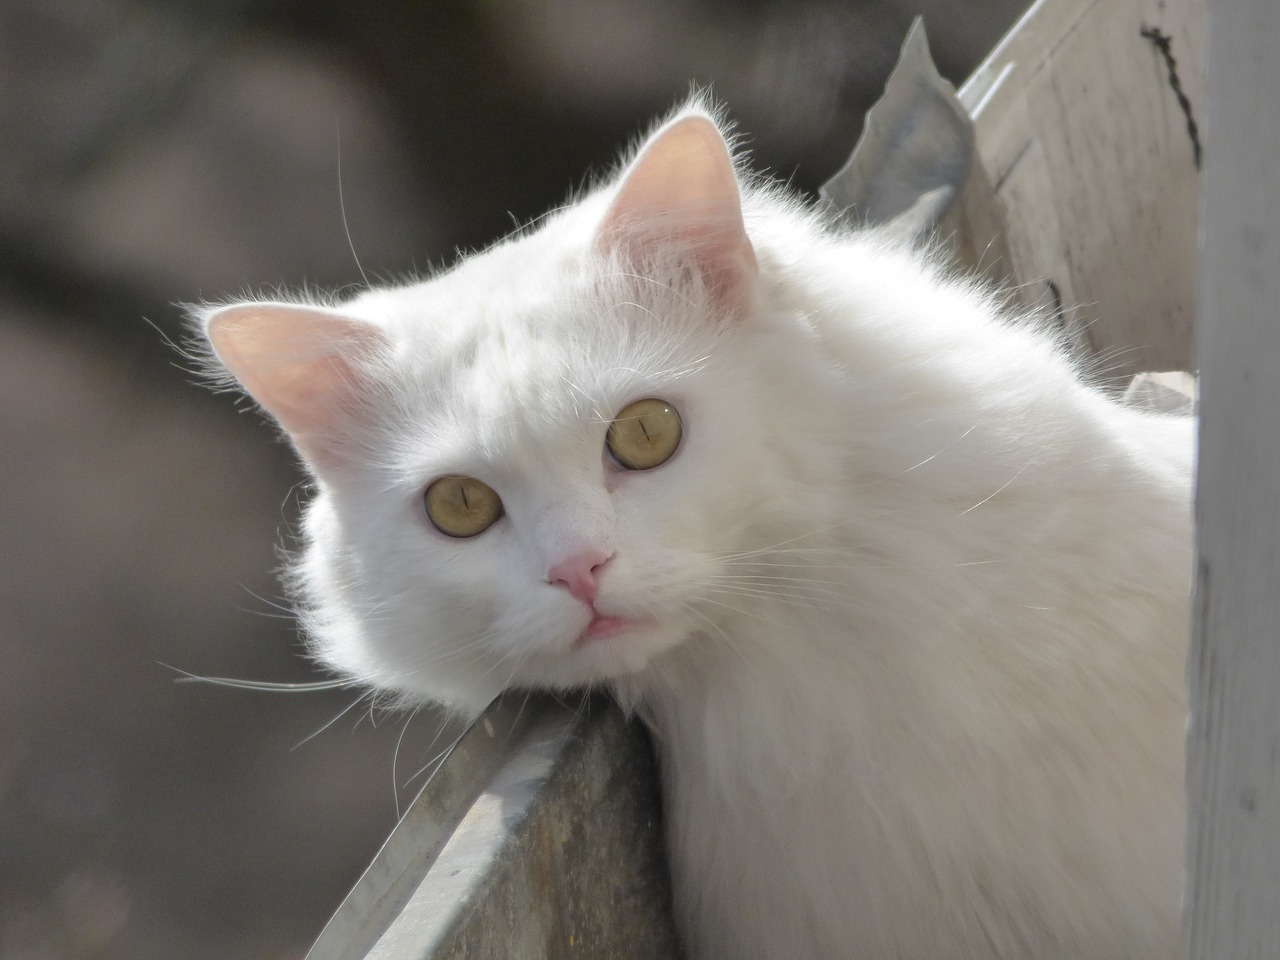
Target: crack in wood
(1163,43)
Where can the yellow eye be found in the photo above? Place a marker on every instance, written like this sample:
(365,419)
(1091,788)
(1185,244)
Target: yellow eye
(644,434)
(462,506)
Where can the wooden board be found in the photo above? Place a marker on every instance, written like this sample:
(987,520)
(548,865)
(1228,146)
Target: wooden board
(1084,144)
(1234,742)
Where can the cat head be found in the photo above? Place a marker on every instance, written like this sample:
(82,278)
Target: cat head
(537,468)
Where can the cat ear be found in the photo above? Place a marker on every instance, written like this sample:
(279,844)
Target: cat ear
(301,364)
(681,195)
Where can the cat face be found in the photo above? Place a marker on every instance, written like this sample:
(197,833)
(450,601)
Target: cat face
(537,468)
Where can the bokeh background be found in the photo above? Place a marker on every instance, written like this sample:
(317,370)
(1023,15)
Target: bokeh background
(157,151)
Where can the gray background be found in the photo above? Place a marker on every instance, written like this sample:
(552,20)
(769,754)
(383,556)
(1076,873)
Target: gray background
(157,152)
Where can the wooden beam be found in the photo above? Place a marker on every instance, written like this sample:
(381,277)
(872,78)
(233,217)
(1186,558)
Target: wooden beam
(1082,117)
(1234,741)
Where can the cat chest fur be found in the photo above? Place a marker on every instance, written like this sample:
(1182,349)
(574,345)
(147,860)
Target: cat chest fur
(924,791)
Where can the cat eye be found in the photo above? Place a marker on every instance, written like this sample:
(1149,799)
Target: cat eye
(644,434)
(462,506)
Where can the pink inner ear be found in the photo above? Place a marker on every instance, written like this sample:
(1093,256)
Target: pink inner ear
(300,364)
(682,194)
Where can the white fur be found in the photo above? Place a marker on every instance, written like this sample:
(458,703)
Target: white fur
(919,592)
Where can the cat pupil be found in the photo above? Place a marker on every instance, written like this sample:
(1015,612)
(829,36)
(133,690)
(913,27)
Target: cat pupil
(462,506)
(645,434)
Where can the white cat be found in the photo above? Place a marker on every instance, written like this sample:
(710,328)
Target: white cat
(902,597)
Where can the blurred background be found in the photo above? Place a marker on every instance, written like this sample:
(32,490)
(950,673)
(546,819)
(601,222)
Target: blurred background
(157,151)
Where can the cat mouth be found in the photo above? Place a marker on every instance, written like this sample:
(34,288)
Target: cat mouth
(603,626)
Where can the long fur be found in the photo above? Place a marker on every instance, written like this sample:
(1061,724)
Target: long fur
(917,589)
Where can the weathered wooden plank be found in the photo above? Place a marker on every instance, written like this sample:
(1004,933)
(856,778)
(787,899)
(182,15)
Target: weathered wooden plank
(1234,742)
(559,857)
(392,878)
(1085,145)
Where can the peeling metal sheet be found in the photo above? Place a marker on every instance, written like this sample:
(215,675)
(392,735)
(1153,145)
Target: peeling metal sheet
(915,151)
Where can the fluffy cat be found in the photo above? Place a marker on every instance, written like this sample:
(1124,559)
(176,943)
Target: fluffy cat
(901,595)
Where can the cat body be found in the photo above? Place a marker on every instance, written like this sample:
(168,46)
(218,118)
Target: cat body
(905,606)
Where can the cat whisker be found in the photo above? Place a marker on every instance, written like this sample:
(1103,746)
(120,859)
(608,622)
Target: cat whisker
(796,595)
(431,765)
(878,565)
(291,617)
(519,655)
(925,461)
(342,713)
(800,564)
(369,714)
(395,759)
(524,701)
(342,207)
(788,590)
(794,598)
(582,709)
(436,763)
(477,644)
(777,547)
(1003,487)
(757,578)
(459,655)
(729,643)
(746,613)
(272,686)
(286,612)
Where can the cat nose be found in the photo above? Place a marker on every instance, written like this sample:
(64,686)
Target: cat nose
(577,574)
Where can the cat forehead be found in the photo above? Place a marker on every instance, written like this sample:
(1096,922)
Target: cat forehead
(538,313)
(530,410)
(522,357)
(472,330)
(520,286)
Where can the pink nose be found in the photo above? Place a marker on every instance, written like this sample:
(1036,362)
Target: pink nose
(577,574)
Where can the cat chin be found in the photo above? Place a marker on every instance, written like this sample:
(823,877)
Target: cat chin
(598,659)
